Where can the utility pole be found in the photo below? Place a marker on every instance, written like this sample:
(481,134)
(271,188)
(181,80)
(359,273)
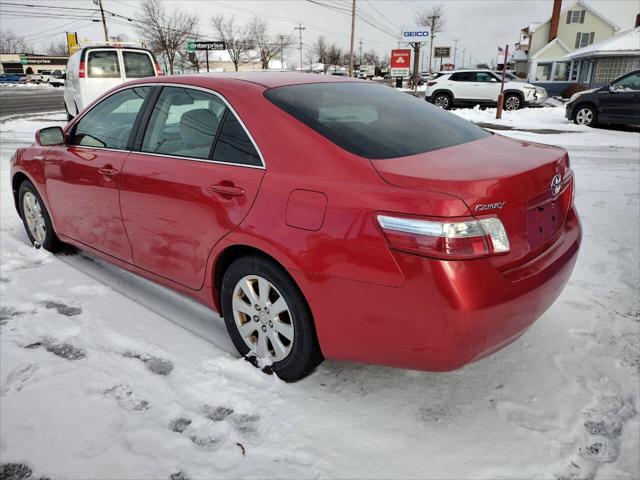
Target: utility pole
(300,28)
(360,52)
(353,33)
(281,39)
(455,51)
(433,18)
(463,52)
(104,22)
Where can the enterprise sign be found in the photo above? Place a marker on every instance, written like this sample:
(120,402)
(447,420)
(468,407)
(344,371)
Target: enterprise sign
(416,34)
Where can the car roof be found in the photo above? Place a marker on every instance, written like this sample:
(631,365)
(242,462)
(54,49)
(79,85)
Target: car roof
(266,79)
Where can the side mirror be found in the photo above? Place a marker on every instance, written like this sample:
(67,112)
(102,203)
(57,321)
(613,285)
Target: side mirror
(49,136)
(493,80)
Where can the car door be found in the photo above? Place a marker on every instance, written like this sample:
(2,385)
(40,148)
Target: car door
(461,85)
(485,87)
(192,177)
(620,102)
(83,176)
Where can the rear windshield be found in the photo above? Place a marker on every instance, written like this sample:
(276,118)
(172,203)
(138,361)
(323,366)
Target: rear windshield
(373,121)
(103,64)
(137,65)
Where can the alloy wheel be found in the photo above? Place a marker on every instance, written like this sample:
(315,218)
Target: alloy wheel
(34,217)
(263,318)
(442,101)
(512,103)
(584,116)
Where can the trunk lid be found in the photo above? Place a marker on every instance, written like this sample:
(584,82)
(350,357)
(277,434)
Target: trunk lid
(496,176)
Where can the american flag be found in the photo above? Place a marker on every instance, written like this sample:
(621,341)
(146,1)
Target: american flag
(500,50)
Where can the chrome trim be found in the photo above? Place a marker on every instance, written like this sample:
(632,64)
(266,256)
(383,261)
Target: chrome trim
(193,159)
(180,85)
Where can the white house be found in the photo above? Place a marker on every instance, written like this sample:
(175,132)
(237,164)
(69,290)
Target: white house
(545,45)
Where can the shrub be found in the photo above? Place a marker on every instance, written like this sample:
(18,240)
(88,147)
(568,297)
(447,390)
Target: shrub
(574,88)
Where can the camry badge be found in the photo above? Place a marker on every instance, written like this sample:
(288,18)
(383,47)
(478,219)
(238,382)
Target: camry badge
(489,206)
(556,185)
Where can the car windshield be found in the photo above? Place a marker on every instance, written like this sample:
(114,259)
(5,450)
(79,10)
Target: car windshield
(373,121)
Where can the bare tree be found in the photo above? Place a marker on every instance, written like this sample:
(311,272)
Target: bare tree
(11,43)
(321,51)
(335,56)
(432,17)
(238,39)
(371,58)
(267,46)
(58,48)
(165,32)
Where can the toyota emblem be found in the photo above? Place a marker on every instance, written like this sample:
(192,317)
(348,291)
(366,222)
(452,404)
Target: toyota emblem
(556,185)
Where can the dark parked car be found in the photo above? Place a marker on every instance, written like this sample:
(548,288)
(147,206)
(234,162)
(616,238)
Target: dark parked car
(616,103)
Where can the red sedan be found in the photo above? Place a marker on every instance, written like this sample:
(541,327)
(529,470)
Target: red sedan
(322,217)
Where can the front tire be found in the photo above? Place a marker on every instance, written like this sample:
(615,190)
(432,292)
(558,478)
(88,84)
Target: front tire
(586,115)
(443,101)
(512,102)
(36,219)
(267,316)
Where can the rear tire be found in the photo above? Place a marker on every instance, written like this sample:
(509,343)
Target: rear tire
(249,312)
(36,219)
(586,115)
(443,101)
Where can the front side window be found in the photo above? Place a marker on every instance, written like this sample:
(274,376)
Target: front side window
(485,77)
(103,64)
(628,83)
(109,124)
(137,64)
(184,123)
(373,121)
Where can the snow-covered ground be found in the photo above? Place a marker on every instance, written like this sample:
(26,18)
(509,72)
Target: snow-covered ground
(106,375)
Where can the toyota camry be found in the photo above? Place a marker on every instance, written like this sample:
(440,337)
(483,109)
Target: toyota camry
(322,217)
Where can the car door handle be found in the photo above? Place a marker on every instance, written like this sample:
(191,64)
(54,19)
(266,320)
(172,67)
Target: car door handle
(108,172)
(230,190)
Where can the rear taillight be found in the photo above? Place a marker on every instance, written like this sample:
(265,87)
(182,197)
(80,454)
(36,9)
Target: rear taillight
(159,71)
(81,71)
(470,238)
(431,84)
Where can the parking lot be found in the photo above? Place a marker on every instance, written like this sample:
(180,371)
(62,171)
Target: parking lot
(137,373)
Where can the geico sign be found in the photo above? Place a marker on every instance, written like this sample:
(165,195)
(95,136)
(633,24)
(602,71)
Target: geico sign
(422,33)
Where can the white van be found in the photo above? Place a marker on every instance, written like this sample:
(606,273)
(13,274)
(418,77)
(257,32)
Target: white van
(91,71)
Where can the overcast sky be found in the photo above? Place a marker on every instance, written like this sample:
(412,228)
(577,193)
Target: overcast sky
(479,25)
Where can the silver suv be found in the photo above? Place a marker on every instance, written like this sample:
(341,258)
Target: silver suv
(481,87)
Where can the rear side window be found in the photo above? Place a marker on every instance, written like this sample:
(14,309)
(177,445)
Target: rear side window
(462,77)
(103,64)
(484,77)
(184,123)
(373,121)
(137,65)
(109,124)
(234,145)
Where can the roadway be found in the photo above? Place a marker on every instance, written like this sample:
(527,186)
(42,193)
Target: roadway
(19,99)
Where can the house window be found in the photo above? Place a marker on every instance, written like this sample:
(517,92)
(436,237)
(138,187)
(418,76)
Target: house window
(607,69)
(543,72)
(583,39)
(575,71)
(575,16)
(561,73)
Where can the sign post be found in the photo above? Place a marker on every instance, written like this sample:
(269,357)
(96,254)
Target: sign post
(501,96)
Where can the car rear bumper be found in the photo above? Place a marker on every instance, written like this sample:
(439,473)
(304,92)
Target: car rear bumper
(447,314)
